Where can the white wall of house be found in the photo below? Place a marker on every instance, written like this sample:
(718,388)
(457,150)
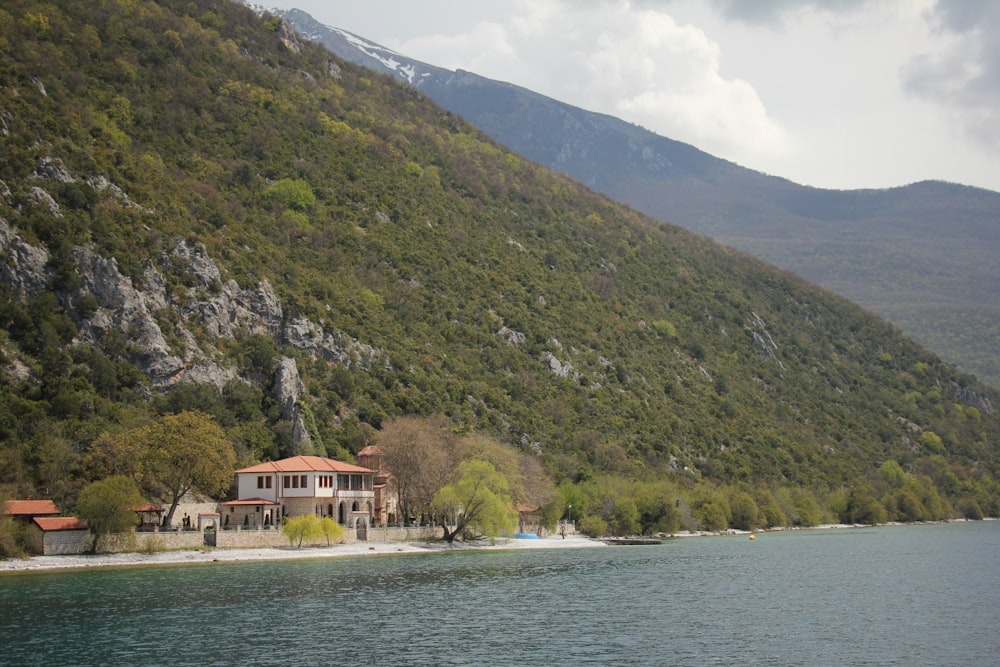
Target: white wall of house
(257,485)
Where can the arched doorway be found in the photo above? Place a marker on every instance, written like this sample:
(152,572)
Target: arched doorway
(362,529)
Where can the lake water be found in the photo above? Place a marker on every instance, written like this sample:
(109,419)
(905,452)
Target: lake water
(910,595)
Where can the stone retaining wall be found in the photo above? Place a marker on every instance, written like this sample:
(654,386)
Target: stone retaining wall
(63,542)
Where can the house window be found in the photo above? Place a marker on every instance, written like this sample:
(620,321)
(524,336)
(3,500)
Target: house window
(260,482)
(267,482)
(302,481)
(287,482)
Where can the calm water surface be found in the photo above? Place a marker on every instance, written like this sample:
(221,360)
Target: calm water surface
(914,595)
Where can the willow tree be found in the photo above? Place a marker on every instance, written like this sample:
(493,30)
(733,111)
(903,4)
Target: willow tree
(478,500)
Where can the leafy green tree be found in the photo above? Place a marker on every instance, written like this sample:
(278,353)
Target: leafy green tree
(188,450)
(864,508)
(108,506)
(293,193)
(744,511)
(478,500)
(302,528)
(330,529)
(593,526)
(771,514)
(11,537)
(711,510)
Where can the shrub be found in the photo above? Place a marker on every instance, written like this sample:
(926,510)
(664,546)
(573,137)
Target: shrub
(593,526)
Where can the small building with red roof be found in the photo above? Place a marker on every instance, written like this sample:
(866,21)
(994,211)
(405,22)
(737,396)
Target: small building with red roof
(26,510)
(57,536)
(270,491)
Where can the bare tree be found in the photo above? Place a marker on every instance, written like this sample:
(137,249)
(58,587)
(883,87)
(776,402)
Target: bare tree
(420,453)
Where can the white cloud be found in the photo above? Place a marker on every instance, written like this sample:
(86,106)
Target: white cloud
(637,64)
(963,76)
(853,93)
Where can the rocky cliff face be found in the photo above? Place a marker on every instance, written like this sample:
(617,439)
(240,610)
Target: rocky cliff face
(172,333)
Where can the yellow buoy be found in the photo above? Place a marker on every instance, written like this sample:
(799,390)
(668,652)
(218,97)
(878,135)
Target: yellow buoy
(753,537)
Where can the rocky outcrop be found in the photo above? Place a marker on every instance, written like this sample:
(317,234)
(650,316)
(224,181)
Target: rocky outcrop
(333,346)
(23,268)
(126,310)
(158,321)
(288,388)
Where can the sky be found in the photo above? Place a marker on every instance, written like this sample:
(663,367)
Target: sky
(831,93)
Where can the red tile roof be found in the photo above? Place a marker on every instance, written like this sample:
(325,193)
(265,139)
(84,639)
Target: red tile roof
(370,450)
(148,507)
(305,464)
(30,507)
(59,523)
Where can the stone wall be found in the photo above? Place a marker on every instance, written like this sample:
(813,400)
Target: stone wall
(237,538)
(64,542)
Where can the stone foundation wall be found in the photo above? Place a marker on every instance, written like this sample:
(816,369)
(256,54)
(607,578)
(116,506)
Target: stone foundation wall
(240,538)
(64,542)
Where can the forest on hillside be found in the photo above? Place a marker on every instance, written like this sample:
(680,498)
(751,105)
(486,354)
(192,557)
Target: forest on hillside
(195,155)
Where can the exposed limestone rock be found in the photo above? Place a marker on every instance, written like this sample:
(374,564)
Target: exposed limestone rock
(102,184)
(157,325)
(53,168)
(510,336)
(560,368)
(123,308)
(45,200)
(288,387)
(762,338)
(333,346)
(288,37)
(969,397)
(24,266)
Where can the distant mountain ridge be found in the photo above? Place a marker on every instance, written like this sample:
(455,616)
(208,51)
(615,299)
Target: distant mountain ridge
(921,255)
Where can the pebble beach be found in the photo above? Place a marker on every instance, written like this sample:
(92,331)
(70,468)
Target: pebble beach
(207,555)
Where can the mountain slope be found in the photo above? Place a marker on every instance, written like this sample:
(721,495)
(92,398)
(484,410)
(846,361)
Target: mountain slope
(923,255)
(201,211)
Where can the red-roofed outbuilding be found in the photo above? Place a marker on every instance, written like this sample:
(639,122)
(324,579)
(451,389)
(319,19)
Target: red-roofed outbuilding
(58,535)
(26,509)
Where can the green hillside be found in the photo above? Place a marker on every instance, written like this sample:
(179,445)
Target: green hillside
(644,367)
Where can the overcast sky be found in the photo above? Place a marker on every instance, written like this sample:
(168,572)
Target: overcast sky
(834,93)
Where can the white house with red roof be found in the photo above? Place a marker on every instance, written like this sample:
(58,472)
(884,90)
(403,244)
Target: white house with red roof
(270,491)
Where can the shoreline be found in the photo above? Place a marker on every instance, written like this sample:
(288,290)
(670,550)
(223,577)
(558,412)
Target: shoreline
(355,549)
(223,555)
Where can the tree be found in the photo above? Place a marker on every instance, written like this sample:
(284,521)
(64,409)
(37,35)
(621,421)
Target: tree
(303,527)
(744,511)
(478,499)
(330,529)
(420,453)
(188,450)
(108,506)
